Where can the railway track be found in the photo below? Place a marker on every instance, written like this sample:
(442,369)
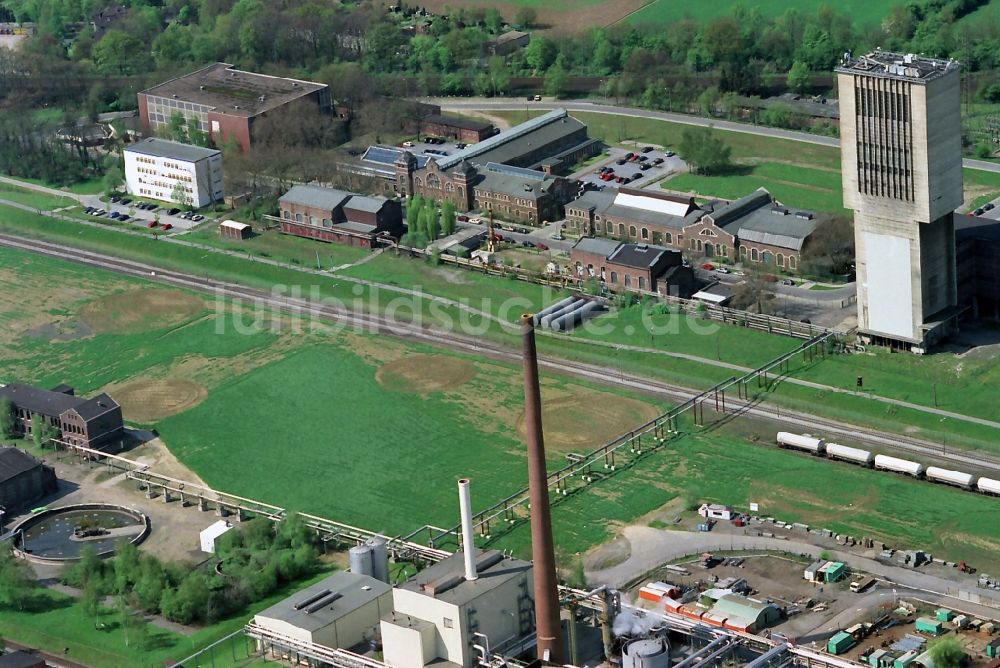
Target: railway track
(378,324)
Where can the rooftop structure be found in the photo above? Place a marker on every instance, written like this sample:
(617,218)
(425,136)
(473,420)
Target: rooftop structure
(23,478)
(224,88)
(339,611)
(315,196)
(518,140)
(164,148)
(14,462)
(907,66)
(92,423)
(641,256)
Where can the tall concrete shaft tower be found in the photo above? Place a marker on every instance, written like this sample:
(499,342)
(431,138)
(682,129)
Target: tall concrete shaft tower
(901,158)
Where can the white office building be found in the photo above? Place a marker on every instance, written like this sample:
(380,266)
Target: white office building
(155,167)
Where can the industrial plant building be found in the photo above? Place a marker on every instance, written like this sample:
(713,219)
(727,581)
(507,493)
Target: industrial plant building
(226,102)
(438,613)
(466,130)
(341,611)
(977,247)
(641,267)
(754,229)
(512,173)
(337,216)
(23,479)
(92,423)
(901,156)
(170,171)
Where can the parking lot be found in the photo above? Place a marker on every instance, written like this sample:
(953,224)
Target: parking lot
(636,168)
(446,147)
(165,218)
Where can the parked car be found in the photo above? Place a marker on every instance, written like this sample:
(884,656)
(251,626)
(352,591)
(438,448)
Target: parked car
(723,270)
(557,236)
(407,144)
(629,155)
(460,145)
(173,212)
(122,217)
(708,266)
(527,244)
(89,210)
(620,161)
(644,166)
(620,179)
(787,281)
(523,230)
(540,246)
(647,149)
(99,212)
(167,226)
(642,158)
(497,237)
(538,98)
(126,200)
(197,217)
(462,218)
(977,212)
(476,221)
(114,198)
(114,215)
(988,206)
(151,224)
(657,161)
(669,154)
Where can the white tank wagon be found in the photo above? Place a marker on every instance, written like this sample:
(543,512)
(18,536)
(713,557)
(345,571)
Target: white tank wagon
(897,465)
(800,442)
(849,454)
(988,486)
(957,478)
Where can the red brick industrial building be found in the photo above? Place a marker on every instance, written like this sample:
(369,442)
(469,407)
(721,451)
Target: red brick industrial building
(226,102)
(463,129)
(340,217)
(92,423)
(632,267)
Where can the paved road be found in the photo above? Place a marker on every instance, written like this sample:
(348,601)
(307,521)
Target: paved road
(651,548)
(493,104)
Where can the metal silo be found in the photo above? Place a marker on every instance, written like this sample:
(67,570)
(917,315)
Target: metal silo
(360,559)
(380,558)
(646,653)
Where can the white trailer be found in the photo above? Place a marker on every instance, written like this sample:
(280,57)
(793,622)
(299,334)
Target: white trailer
(849,454)
(957,478)
(988,486)
(800,442)
(897,465)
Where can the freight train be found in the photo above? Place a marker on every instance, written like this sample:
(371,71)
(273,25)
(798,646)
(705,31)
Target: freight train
(820,448)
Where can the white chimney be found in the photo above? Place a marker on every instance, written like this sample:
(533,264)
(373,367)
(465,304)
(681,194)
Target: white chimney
(468,538)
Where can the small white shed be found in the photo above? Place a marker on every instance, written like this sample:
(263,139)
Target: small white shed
(211,533)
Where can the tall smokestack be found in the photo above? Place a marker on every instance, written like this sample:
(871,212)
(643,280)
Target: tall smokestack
(547,627)
(468,539)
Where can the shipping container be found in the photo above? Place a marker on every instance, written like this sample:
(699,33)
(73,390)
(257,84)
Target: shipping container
(840,643)
(928,625)
(904,660)
(988,486)
(897,465)
(957,478)
(944,614)
(834,571)
(800,442)
(849,454)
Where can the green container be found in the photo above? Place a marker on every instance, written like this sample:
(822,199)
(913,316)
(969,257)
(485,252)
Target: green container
(835,571)
(944,615)
(928,625)
(840,643)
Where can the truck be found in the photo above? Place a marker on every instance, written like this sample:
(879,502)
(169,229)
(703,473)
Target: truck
(861,584)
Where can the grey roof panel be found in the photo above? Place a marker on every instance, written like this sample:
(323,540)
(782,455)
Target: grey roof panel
(14,462)
(515,186)
(95,406)
(465,591)
(364,203)
(511,170)
(597,245)
(512,142)
(315,196)
(353,595)
(162,148)
(766,226)
(641,256)
(38,400)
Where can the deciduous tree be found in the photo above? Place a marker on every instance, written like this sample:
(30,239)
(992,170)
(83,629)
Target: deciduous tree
(8,422)
(703,151)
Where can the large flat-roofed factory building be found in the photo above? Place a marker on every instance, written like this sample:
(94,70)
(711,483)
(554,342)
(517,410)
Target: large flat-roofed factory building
(901,156)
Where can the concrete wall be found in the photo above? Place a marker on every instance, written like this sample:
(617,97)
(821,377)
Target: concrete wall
(407,646)
(449,643)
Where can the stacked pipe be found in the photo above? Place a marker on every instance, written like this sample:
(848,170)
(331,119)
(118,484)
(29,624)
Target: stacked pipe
(547,626)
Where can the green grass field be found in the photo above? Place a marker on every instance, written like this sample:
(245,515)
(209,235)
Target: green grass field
(281,247)
(60,622)
(724,465)
(664,12)
(793,185)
